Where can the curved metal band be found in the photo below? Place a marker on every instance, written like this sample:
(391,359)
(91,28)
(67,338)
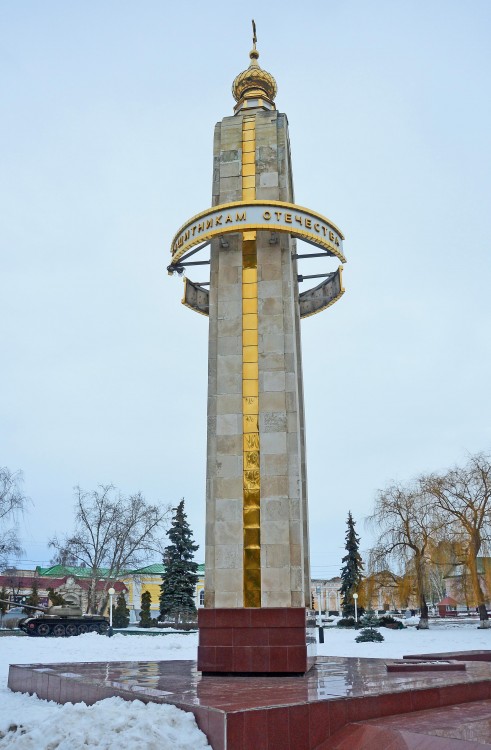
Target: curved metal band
(311,301)
(323,295)
(272,216)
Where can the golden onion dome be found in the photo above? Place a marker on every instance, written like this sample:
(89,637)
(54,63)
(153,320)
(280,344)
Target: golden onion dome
(254,80)
(254,84)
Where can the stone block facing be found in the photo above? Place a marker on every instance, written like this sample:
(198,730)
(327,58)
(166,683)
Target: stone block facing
(284,566)
(274,640)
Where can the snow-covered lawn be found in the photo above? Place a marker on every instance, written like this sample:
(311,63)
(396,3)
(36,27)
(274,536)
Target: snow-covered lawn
(108,725)
(113,723)
(439,638)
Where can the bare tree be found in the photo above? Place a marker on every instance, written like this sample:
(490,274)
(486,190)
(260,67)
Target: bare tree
(406,525)
(463,494)
(64,557)
(14,583)
(112,532)
(12,503)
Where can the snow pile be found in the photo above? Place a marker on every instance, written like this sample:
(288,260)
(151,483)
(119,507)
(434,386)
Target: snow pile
(107,725)
(411,621)
(27,723)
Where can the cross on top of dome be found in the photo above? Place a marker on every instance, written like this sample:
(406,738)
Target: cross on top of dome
(254,88)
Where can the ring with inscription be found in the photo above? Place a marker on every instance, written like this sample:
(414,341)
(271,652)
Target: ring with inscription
(273,216)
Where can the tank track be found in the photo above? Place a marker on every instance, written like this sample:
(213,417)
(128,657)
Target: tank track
(63,627)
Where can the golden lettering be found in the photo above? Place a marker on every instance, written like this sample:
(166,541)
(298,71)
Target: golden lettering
(251,440)
(205,222)
(252,479)
(251,459)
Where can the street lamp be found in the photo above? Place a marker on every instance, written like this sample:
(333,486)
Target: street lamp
(321,629)
(111,593)
(355,597)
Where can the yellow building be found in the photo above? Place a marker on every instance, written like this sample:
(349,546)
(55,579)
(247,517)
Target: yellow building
(149,578)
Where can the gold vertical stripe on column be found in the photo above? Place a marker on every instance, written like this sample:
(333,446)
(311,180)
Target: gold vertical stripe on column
(250,382)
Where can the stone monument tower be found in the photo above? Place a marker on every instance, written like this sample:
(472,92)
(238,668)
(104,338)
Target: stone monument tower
(257,578)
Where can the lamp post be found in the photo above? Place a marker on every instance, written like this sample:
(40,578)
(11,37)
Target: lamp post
(355,597)
(321,629)
(111,593)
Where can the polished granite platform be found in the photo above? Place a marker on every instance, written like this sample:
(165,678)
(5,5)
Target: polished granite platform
(270,713)
(460,727)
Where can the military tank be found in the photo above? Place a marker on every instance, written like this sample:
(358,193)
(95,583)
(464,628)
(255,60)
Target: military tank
(62,620)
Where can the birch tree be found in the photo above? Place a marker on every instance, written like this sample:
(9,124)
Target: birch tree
(113,533)
(12,503)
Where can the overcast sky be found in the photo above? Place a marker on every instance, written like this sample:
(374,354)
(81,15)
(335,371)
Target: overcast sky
(106,131)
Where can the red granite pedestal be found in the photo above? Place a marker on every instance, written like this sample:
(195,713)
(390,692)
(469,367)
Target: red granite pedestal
(276,640)
(340,704)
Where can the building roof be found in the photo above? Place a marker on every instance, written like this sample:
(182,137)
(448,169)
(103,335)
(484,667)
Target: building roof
(71,570)
(448,600)
(334,580)
(155,569)
(81,572)
(25,582)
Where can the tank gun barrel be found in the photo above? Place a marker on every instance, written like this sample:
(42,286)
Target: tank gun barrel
(25,606)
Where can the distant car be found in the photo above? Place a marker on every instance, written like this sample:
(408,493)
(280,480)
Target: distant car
(11,618)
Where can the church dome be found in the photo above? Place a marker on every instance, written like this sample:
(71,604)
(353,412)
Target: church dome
(254,82)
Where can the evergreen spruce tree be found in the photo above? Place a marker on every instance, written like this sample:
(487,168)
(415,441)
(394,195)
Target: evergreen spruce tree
(33,598)
(4,598)
(369,632)
(352,570)
(121,614)
(180,577)
(145,615)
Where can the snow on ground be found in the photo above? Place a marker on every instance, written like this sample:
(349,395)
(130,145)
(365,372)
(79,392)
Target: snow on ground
(41,725)
(440,637)
(27,723)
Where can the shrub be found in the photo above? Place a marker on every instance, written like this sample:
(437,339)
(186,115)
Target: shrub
(121,614)
(369,633)
(346,622)
(145,616)
(387,621)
